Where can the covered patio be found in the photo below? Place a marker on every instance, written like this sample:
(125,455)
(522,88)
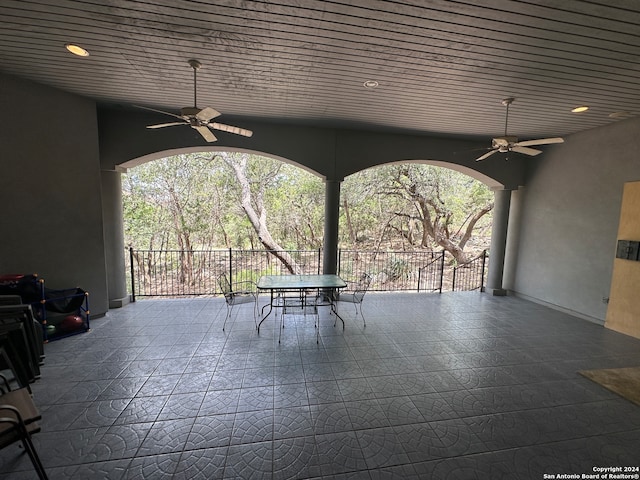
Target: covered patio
(456,386)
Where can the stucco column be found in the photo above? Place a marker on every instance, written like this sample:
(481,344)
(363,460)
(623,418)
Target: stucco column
(502,202)
(331,218)
(114,238)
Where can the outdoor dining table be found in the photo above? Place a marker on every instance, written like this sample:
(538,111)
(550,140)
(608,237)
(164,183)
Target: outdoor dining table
(280,285)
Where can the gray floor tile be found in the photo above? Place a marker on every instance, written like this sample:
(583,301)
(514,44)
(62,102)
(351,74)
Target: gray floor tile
(435,386)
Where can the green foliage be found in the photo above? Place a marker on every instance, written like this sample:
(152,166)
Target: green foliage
(194,201)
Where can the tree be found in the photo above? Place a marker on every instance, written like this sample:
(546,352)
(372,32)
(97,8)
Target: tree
(255,176)
(424,205)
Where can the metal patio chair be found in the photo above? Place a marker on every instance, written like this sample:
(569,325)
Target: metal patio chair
(354,293)
(238,294)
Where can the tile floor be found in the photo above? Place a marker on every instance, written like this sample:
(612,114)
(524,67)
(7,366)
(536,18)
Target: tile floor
(450,386)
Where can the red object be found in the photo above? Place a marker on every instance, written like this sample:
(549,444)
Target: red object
(71,323)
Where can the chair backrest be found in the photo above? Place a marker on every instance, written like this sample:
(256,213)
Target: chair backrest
(361,287)
(225,284)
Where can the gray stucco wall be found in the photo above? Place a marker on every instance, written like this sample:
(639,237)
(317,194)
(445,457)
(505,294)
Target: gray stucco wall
(566,219)
(331,153)
(50,189)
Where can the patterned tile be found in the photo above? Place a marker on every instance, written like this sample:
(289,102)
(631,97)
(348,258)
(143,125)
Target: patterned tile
(255,398)
(143,409)
(380,448)
(295,458)
(211,431)
(119,442)
(290,395)
(447,386)
(166,436)
(253,460)
(220,401)
(355,389)
(109,470)
(101,413)
(158,385)
(153,467)
(323,392)
(193,382)
(400,410)
(330,418)
(122,388)
(181,405)
(56,450)
(251,427)
(339,453)
(366,414)
(202,464)
(292,422)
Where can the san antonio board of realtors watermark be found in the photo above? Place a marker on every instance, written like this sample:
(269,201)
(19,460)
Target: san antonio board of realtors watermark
(599,473)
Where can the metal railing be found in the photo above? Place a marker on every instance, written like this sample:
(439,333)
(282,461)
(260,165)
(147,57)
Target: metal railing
(430,277)
(391,271)
(470,275)
(157,273)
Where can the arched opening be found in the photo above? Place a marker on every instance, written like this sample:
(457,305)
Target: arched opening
(400,217)
(270,204)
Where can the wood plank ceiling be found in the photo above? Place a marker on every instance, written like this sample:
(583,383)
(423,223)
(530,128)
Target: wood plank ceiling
(442,66)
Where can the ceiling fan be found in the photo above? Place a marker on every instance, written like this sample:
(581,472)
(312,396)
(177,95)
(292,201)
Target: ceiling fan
(199,118)
(508,143)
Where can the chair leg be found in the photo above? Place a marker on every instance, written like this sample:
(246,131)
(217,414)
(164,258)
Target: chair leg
(33,456)
(227,317)
(361,314)
(255,313)
(281,324)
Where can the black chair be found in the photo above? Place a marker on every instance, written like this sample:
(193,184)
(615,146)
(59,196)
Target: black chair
(18,421)
(238,294)
(354,293)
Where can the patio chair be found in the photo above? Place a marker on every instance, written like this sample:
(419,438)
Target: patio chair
(237,294)
(18,416)
(354,293)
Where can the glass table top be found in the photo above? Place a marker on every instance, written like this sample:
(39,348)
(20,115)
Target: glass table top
(283,282)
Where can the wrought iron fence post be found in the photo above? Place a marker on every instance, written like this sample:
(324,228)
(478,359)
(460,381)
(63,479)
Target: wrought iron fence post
(453,280)
(441,271)
(230,266)
(484,258)
(133,280)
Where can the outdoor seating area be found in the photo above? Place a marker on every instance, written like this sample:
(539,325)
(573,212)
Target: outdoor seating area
(456,385)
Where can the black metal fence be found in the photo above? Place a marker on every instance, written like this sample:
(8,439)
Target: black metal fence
(180,273)
(470,275)
(394,271)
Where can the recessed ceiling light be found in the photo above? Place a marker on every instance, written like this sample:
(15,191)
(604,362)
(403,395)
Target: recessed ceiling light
(582,108)
(370,84)
(77,50)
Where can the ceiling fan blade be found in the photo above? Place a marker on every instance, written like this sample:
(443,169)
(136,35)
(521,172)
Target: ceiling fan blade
(231,129)
(158,111)
(486,155)
(205,132)
(541,141)
(207,113)
(160,125)
(525,150)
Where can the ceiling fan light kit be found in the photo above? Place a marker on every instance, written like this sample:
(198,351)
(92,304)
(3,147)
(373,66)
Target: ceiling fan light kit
(509,143)
(199,118)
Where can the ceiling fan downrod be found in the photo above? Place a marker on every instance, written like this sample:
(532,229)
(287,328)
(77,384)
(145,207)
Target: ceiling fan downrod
(506,102)
(195,64)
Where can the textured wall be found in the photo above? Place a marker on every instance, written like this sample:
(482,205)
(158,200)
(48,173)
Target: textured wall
(50,188)
(568,219)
